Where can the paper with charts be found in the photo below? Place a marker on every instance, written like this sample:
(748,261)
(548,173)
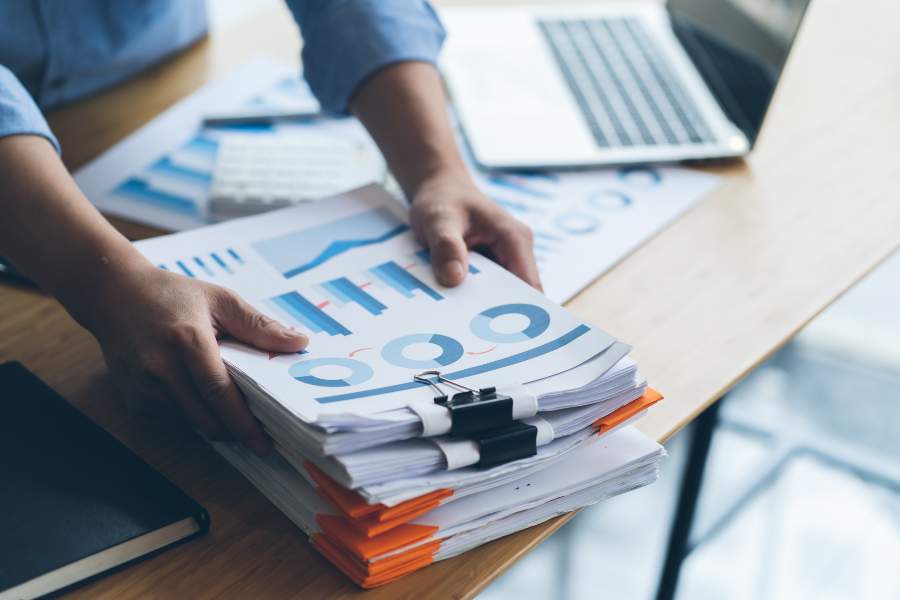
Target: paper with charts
(349,273)
(583,222)
(161,174)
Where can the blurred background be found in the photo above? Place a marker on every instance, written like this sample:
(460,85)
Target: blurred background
(800,497)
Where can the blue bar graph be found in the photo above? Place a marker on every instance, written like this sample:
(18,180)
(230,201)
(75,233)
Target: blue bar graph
(202,145)
(399,279)
(166,166)
(308,314)
(215,256)
(184,268)
(199,262)
(346,291)
(138,189)
(233,254)
(216,265)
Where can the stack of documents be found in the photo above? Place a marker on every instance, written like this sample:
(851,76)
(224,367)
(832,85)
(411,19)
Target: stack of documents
(421,421)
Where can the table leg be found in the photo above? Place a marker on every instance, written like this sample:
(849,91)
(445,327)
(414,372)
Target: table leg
(679,536)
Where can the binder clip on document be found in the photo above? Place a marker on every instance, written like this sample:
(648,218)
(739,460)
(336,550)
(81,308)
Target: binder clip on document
(488,418)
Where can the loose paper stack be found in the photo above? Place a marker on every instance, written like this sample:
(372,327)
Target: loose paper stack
(386,472)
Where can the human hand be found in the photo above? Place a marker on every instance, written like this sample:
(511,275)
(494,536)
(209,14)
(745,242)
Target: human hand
(449,214)
(158,333)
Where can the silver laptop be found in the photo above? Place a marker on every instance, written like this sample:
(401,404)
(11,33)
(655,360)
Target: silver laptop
(575,85)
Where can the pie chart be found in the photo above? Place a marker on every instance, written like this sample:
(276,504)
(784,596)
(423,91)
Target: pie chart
(577,223)
(483,325)
(395,351)
(351,372)
(610,200)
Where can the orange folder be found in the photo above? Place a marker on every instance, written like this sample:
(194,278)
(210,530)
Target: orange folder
(355,539)
(367,530)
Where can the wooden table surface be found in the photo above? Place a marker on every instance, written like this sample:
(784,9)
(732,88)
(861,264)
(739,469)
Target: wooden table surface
(813,209)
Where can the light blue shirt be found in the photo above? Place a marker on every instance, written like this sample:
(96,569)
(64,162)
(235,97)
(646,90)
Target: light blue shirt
(56,51)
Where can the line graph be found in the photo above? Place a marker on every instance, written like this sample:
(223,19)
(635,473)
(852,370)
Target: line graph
(300,251)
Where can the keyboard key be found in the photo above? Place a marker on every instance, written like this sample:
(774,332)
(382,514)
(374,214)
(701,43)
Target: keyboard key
(623,84)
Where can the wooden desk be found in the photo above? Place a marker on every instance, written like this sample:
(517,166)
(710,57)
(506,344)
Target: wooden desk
(813,210)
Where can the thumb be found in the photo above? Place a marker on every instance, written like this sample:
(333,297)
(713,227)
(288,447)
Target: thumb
(239,319)
(449,253)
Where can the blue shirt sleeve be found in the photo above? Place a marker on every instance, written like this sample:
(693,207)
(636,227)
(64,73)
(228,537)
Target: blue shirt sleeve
(346,41)
(18,112)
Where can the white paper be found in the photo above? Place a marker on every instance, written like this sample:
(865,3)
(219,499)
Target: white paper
(161,174)
(586,222)
(492,330)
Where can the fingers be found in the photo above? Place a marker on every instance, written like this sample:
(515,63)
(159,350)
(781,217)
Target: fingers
(443,235)
(163,382)
(514,248)
(239,319)
(217,392)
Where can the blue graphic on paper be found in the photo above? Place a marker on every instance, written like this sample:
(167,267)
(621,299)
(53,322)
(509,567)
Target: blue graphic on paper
(451,351)
(538,322)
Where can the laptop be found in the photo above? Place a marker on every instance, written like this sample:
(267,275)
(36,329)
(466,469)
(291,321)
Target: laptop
(604,83)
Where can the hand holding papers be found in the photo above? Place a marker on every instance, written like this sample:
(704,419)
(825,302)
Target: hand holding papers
(351,274)
(161,175)
(371,422)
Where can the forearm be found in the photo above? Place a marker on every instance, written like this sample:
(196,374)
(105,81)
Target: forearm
(50,231)
(405,110)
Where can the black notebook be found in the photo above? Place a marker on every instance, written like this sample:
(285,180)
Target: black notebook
(74,501)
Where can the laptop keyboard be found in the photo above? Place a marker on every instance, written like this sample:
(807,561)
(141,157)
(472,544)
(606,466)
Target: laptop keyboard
(623,83)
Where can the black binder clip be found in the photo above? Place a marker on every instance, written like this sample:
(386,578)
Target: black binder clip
(505,444)
(486,417)
(471,410)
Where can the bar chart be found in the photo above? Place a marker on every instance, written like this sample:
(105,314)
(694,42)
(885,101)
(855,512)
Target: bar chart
(373,290)
(161,174)
(344,291)
(178,181)
(208,265)
(402,281)
(305,313)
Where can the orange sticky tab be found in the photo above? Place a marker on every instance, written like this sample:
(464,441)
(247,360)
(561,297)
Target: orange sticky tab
(400,559)
(366,548)
(353,505)
(348,501)
(617,417)
(390,513)
(360,574)
(372,525)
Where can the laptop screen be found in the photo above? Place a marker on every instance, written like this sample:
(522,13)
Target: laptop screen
(739,47)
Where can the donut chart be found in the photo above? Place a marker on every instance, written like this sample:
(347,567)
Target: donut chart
(643,177)
(577,223)
(610,200)
(451,351)
(538,322)
(360,372)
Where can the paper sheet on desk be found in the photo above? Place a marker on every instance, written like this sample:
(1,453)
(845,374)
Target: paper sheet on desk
(584,223)
(351,275)
(160,175)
